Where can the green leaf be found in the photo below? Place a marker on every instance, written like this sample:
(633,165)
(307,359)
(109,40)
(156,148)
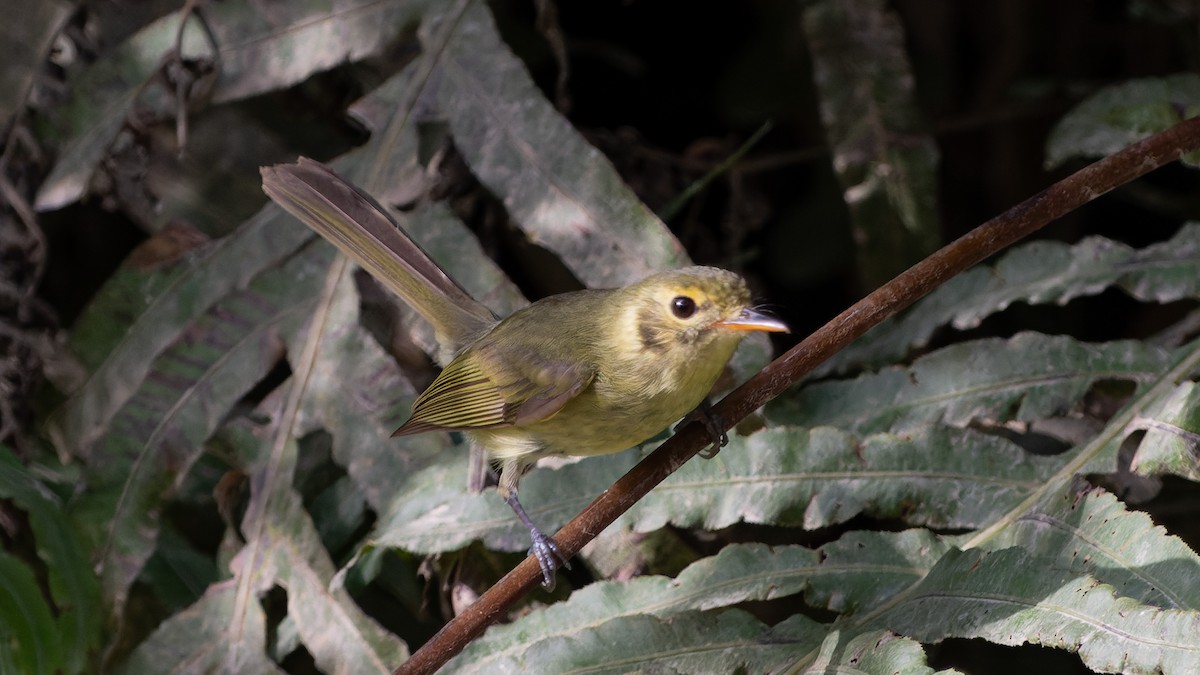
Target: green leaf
(1039,272)
(434,512)
(186,394)
(107,321)
(936,477)
(863,570)
(359,396)
(103,97)
(147,329)
(689,642)
(258,49)
(737,574)
(26,623)
(1099,453)
(332,627)
(283,547)
(1171,444)
(944,478)
(1012,597)
(72,582)
(837,576)
(265,49)
(1089,531)
(870,652)
(1024,378)
(883,156)
(562,192)
(1122,114)
(340,513)
(178,573)
(197,640)
(27,43)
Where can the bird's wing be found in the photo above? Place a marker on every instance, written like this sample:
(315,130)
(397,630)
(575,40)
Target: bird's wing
(515,393)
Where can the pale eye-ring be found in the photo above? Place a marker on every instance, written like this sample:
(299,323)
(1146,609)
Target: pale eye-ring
(682,306)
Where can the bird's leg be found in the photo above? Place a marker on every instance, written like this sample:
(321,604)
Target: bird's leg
(543,548)
(705,415)
(480,473)
(548,555)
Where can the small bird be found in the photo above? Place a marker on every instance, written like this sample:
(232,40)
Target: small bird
(583,373)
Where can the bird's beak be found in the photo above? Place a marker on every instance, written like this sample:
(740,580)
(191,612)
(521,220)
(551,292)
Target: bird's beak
(749,319)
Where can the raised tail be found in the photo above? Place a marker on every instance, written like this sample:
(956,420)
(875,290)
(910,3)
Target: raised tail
(354,222)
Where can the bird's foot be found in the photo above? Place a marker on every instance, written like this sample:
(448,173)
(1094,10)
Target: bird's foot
(712,423)
(548,555)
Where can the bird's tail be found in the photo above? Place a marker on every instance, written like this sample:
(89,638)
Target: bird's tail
(354,222)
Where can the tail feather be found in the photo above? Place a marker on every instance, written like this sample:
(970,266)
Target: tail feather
(355,223)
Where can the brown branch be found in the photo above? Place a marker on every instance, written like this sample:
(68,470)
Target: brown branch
(982,242)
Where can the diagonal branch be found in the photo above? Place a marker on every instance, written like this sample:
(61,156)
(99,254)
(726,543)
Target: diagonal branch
(982,242)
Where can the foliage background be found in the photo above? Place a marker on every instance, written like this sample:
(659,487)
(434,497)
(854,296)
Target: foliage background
(196,393)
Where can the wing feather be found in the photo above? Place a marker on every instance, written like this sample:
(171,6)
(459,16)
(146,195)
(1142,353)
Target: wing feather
(518,392)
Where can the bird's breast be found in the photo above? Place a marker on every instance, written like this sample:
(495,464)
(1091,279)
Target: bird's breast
(623,407)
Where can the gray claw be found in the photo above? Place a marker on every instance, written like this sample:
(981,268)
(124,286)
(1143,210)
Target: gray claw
(549,557)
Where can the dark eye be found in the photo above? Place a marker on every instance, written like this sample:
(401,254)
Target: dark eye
(682,306)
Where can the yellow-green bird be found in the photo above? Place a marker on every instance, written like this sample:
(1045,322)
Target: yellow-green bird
(590,372)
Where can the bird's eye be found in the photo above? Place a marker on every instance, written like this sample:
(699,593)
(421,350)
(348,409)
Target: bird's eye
(682,306)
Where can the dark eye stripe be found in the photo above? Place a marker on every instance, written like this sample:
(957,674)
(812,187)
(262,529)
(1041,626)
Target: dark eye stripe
(652,339)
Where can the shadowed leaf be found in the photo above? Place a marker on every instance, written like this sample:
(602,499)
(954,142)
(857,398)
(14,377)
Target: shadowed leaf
(1040,272)
(1122,114)
(1011,597)
(157,435)
(811,478)
(1094,533)
(72,581)
(1171,444)
(1027,377)
(883,157)
(26,621)
(259,48)
(560,190)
